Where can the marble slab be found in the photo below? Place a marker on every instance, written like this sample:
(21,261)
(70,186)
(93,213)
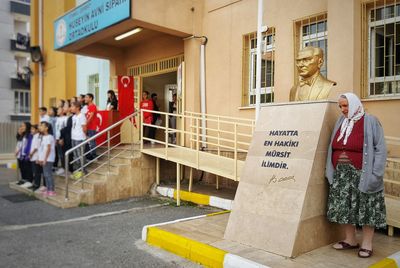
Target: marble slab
(280,204)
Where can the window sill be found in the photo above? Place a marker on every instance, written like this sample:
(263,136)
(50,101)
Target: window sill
(254,106)
(20,117)
(383,98)
(246,107)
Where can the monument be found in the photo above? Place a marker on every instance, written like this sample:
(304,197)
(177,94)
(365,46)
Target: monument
(280,203)
(311,84)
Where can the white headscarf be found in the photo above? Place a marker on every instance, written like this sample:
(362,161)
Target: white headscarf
(356,111)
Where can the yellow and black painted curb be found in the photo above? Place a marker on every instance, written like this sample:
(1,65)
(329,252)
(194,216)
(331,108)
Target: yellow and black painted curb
(195,251)
(200,199)
(393,261)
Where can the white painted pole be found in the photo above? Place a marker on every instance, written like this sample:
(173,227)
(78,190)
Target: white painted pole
(258,63)
(40,97)
(203,94)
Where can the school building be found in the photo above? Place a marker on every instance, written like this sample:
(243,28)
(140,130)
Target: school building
(166,44)
(359,38)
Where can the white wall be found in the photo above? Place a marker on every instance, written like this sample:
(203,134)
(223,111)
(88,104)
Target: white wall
(86,66)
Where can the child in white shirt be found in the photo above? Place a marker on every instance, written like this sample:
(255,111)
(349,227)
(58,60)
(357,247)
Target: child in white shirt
(78,135)
(34,156)
(47,156)
(61,122)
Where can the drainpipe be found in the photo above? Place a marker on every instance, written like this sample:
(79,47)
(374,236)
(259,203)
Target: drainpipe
(203,90)
(258,63)
(202,86)
(41,47)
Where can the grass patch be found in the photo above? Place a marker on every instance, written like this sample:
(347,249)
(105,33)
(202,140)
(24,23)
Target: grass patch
(83,205)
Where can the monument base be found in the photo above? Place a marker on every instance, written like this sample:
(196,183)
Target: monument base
(280,203)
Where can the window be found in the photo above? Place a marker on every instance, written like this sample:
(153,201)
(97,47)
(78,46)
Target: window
(22,102)
(267,68)
(94,87)
(382,56)
(313,31)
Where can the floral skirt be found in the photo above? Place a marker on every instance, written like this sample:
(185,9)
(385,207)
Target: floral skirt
(347,205)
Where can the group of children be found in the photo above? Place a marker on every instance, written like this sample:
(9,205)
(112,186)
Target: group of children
(41,148)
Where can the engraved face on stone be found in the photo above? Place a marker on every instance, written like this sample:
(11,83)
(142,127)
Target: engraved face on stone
(309,61)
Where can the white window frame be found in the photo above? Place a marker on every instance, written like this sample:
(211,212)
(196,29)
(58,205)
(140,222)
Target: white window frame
(318,36)
(23,108)
(266,48)
(371,53)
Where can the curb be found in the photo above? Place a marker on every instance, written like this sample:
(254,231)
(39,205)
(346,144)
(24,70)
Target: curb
(10,165)
(192,250)
(393,261)
(200,199)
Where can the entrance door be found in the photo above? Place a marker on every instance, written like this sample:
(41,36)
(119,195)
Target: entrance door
(169,91)
(137,96)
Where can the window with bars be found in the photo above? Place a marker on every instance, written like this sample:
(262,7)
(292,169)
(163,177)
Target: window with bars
(22,102)
(313,31)
(381,45)
(250,68)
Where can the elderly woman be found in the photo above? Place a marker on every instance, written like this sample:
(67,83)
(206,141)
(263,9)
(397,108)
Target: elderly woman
(355,167)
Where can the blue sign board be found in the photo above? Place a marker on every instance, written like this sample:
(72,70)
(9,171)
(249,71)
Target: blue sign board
(89,18)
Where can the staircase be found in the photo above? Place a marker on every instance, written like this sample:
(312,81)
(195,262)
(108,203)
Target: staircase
(120,171)
(131,174)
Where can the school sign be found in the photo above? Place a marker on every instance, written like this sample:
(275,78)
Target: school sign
(89,18)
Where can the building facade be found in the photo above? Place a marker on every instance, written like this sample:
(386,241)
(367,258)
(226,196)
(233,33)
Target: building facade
(359,39)
(15,100)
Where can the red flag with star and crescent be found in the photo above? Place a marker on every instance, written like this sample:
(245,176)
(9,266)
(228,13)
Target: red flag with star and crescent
(125,96)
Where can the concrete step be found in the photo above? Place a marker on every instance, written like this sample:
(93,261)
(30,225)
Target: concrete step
(102,170)
(74,190)
(124,154)
(58,200)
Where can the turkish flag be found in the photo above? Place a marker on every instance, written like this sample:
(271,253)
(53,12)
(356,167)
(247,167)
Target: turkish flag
(125,96)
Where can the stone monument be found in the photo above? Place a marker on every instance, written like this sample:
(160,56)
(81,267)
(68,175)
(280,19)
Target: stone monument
(311,85)
(280,203)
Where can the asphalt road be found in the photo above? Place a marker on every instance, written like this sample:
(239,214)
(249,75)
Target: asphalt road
(34,234)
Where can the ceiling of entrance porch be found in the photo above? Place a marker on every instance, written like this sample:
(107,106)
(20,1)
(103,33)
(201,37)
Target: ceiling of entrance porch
(102,44)
(130,40)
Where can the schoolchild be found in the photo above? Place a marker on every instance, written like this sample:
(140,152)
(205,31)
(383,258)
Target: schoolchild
(33,156)
(44,117)
(23,155)
(61,123)
(47,155)
(78,135)
(65,137)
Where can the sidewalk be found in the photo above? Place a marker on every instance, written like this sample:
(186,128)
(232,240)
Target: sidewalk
(8,160)
(202,240)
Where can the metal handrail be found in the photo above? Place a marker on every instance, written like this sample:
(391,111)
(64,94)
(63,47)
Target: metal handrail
(194,135)
(220,117)
(83,154)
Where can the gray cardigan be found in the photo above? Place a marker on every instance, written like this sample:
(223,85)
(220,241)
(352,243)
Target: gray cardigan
(374,155)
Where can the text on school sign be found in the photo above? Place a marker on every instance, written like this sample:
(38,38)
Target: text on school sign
(89,18)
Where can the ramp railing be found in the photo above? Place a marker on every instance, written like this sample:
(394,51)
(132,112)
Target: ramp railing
(223,136)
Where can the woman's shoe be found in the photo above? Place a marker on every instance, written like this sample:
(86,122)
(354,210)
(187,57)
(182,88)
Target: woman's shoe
(367,253)
(345,245)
